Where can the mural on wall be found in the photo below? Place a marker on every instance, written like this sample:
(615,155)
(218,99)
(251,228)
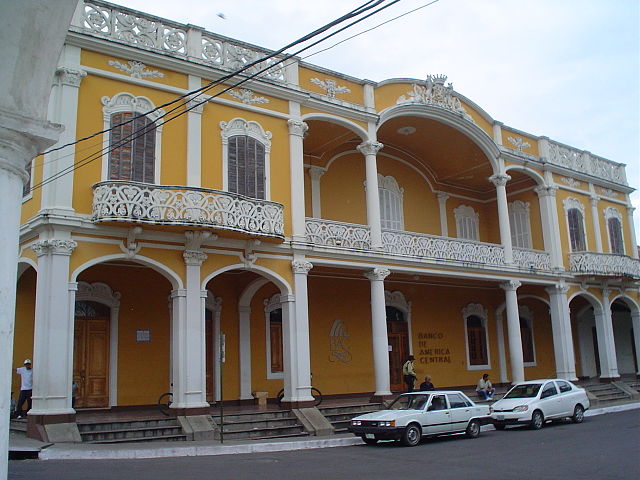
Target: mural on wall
(432,348)
(339,348)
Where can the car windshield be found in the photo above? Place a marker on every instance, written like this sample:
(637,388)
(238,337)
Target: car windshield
(527,390)
(409,402)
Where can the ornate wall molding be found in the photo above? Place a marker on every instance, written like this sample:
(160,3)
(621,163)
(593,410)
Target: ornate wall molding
(433,92)
(570,181)
(510,285)
(607,192)
(611,212)
(377,274)
(135,69)
(571,202)
(500,179)
(330,87)
(69,76)
(297,127)
(397,299)
(339,348)
(474,309)
(240,126)
(127,102)
(369,148)
(301,266)
(98,292)
(518,143)
(54,246)
(247,96)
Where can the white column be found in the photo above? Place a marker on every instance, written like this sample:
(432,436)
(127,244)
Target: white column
(63,109)
(216,349)
(500,182)
(632,230)
(194,134)
(299,335)
(562,333)
(244,330)
(606,341)
(635,322)
(502,354)
(543,148)
(513,328)
(54,328)
(442,204)
(379,336)
(596,221)
(189,381)
(315,173)
(297,128)
(290,373)
(549,218)
(497,132)
(370,150)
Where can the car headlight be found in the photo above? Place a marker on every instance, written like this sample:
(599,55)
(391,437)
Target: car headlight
(388,423)
(521,408)
(356,422)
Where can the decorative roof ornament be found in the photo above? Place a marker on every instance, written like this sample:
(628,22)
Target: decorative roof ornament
(136,69)
(518,143)
(247,96)
(330,86)
(434,92)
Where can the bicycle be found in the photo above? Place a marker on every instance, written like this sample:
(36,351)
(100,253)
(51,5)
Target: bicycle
(315,393)
(164,403)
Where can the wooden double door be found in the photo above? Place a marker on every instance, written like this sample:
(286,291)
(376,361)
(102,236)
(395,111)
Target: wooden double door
(398,338)
(91,359)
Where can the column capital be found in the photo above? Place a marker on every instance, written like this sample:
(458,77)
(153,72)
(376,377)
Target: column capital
(369,148)
(510,285)
(178,292)
(559,289)
(301,266)
(442,196)
(54,246)
(377,274)
(546,190)
(297,127)
(499,179)
(196,103)
(315,172)
(69,76)
(194,257)
(593,199)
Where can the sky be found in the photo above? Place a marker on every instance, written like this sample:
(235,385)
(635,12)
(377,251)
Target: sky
(565,69)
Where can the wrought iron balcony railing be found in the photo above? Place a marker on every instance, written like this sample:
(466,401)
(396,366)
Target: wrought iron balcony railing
(604,265)
(122,201)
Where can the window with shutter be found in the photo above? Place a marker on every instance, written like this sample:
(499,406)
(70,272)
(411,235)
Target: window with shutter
(520,224)
(467,223)
(132,148)
(576,230)
(246,166)
(477,341)
(391,203)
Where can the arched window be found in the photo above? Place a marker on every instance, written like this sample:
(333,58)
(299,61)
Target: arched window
(467,222)
(575,224)
(475,324)
(133,139)
(614,225)
(391,203)
(245,158)
(275,352)
(519,223)
(526,334)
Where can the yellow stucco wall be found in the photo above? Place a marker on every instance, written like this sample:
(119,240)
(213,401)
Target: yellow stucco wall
(24,325)
(532,149)
(355,95)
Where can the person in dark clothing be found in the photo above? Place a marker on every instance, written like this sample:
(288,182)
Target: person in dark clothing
(427,386)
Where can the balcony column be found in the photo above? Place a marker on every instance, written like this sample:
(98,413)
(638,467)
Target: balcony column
(442,204)
(297,356)
(562,335)
(370,150)
(53,340)
(63,109)
(244,331)
(500,181)
(549,218)
(297,129)
(513,329)
(194,133)
(606,340)
(189,379)
(635,322)
(380,339)
(632,230)
(315,173)
(596,220)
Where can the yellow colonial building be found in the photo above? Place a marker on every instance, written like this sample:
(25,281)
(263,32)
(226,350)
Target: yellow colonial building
(306,221)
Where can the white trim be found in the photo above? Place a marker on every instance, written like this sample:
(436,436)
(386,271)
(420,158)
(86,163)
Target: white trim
(29,195)
(479,311)
(239,126)
(214,305)
(271,304)
(127,102)
(397,299)
(571,203)
(101,293)
(611,212)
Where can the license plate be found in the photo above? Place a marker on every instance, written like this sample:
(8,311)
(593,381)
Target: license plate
(500,417)
(369,435)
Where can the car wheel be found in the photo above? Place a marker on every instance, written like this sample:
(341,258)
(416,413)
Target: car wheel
(499,426)
(537,420)
(370,441)
(473,429)
(578,414)
(411,436)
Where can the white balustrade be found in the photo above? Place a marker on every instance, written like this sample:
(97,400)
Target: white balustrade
(170,205)
(528,258)
(586,163)
(604,264)
(337,234)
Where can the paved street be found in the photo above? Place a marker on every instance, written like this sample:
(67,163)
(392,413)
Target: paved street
(604,447)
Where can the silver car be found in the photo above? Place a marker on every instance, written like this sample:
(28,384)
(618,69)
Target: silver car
(415,415)
(536,401)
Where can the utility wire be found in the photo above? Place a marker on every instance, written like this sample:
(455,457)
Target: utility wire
(195,104)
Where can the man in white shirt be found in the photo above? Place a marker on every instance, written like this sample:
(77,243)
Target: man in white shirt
(484,389)
(26,387)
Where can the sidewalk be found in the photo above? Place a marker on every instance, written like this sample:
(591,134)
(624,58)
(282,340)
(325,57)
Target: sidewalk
(79,451)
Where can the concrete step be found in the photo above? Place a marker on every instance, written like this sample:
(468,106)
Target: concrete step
(240,417)
(130,434)
(249,424)
(18,425)
(270,432)
(119,425)
(162,438)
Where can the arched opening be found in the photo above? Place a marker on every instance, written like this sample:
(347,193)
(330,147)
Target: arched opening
(623,332)
(398,335)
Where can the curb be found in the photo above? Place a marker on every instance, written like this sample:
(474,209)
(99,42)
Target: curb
(63,451)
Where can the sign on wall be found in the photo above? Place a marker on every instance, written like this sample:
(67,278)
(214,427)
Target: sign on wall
(432,348)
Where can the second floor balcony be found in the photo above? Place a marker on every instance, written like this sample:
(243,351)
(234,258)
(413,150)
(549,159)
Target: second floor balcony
(419,246)
(604,265)
(133,202)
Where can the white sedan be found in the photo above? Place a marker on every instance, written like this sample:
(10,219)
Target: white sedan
(415,415)
(536,401)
